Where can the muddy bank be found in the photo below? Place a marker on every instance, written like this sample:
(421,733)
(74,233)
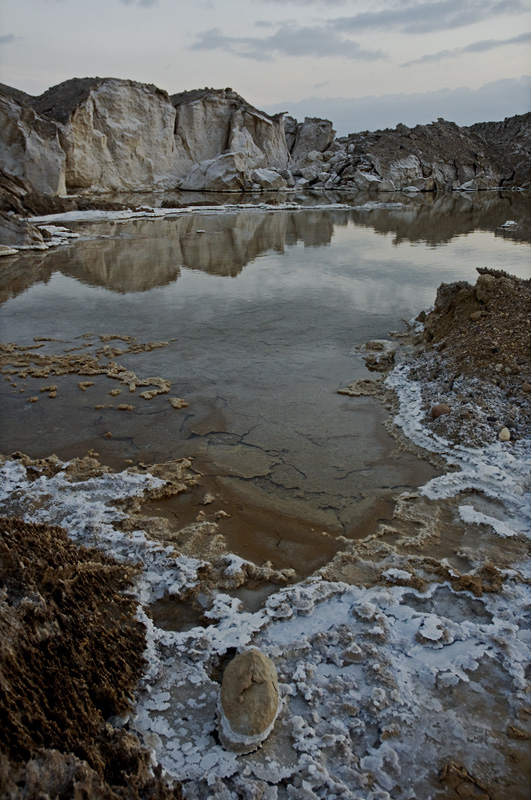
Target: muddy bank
(469,362)
(71,653)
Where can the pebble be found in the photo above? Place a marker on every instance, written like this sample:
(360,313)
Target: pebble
(439,409)
(475,315)
(526,387)
(504,435)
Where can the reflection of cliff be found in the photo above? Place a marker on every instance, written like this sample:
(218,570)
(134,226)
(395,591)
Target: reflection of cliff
(439,218)
(143,254)
(140,255)
(18,274)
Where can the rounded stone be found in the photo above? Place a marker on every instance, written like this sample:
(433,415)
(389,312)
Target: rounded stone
(475,315)
(526,387)
(249,701)
(439,409)
(504,435)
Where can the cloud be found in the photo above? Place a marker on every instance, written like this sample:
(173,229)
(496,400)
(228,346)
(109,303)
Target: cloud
(305,2)
(289,40)
(493,101)
(473,47)
(140,3)
(429,16)
(8,38)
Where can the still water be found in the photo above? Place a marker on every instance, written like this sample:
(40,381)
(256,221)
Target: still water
(263,311)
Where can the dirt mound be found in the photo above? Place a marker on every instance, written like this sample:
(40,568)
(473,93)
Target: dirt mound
(477,358)
(480,327)
(70,657)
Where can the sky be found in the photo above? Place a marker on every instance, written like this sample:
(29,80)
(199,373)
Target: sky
(364,64)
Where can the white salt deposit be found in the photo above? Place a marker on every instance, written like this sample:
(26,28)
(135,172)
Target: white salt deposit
(98,215)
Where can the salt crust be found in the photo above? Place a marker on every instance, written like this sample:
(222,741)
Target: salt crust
(95,215)
(501,470)
(371,681)
(382,685)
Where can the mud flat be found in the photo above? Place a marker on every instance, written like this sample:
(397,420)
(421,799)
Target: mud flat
(401,661)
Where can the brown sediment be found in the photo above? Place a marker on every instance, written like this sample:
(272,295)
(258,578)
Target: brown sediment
(22,360)
(461,785)
(70,657)
(478,366)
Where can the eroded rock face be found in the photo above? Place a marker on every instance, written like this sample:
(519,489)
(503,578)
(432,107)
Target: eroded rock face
(227,145)
(19,233)
(30,148)
(120,138)
(94,135)
(438,157)
(249,701)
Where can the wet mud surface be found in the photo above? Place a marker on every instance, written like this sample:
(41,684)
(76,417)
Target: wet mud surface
(284,500)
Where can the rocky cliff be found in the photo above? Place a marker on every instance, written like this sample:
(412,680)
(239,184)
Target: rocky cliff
(95,135)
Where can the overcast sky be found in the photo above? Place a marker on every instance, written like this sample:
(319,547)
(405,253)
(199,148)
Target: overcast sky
(361,63)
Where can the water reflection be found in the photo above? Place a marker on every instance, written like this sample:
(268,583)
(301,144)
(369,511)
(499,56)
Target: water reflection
(438,218)
(143,254)
(139,255)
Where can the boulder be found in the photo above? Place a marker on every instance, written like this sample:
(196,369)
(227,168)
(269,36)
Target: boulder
(19,233)
(249,701)
(268,180)
(313,134)
(229,173)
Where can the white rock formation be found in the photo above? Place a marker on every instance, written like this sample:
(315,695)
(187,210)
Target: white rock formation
(30,147)
(101,135)
(120,138)
(225,144)
(96,135)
